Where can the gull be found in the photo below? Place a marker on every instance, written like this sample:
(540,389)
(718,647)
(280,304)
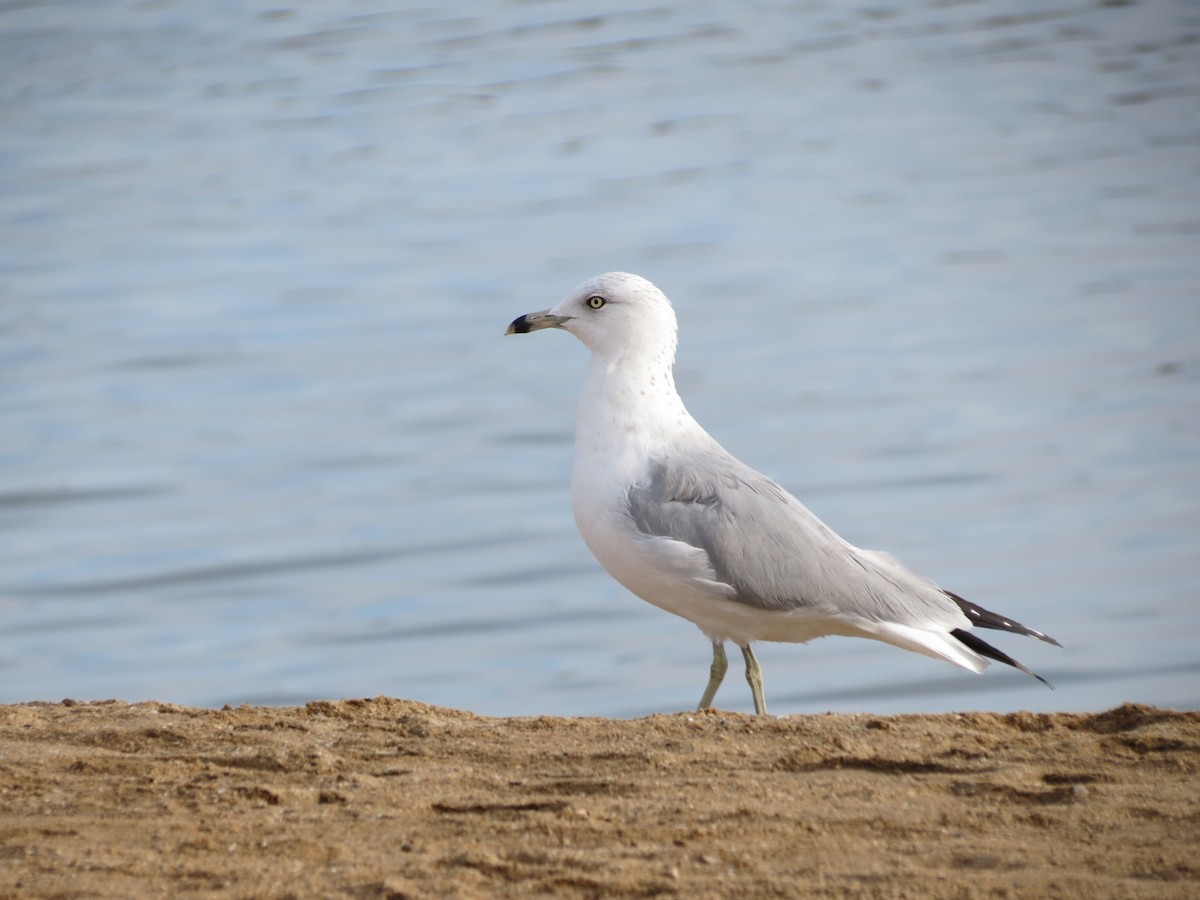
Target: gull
(681,523)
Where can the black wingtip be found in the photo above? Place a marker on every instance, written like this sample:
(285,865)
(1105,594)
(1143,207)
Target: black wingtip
(983,648)
(985,618)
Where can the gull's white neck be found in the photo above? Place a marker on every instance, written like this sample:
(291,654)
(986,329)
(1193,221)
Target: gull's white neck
(629,407)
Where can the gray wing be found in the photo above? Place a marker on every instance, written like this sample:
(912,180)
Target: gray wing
(771,549)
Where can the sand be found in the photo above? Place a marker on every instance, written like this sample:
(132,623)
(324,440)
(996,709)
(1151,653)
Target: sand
(390,798)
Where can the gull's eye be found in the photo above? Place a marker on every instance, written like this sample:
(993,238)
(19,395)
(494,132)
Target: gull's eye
(595,302)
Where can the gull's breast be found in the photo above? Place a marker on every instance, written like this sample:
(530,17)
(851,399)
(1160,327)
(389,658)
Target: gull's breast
(672,575)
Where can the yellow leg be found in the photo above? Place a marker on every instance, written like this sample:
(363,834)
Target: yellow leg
(754,677)
(716,675)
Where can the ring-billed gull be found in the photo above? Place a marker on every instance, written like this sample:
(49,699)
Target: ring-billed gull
(682,524)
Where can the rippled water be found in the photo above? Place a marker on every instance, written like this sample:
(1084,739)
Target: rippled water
(261,439)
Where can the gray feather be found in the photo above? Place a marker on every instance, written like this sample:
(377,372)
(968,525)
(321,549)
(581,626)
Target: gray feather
(771,549)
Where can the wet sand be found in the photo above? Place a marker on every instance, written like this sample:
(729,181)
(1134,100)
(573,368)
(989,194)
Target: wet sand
(390,798)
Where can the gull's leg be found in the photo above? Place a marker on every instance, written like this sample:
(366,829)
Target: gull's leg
(715,674)
(754,676)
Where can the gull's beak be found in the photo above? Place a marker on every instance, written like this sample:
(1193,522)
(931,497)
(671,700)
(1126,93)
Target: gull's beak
(536,322)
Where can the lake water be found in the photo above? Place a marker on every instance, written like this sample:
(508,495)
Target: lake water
(937,268)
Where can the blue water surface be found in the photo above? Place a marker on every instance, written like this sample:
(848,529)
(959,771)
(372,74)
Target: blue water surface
(937,268)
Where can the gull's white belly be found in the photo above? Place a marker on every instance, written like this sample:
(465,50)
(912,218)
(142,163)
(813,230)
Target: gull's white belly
(679,578)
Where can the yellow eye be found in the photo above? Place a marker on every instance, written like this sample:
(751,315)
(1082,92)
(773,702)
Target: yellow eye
(595,302)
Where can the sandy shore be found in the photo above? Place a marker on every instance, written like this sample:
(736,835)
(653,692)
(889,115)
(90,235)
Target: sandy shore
(389,798)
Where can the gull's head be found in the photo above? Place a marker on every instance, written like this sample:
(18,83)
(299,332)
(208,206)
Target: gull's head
(615,313)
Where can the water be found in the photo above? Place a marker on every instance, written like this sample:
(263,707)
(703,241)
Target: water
(261,439)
